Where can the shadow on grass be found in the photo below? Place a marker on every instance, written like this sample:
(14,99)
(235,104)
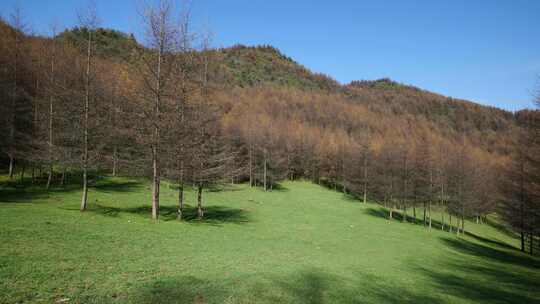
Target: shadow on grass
(489,279)
(13,192)
(309,286)
(214,215)
(30,194)
(501,227)
(488,252)
(183,289)
(280,188)
(353,198)
(111,185)
(398,217)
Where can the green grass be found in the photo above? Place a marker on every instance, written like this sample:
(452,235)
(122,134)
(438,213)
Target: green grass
(301,244)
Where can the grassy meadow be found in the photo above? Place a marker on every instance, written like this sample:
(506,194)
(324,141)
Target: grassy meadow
(300,243)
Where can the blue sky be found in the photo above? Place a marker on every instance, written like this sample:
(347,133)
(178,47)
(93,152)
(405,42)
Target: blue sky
(484,51)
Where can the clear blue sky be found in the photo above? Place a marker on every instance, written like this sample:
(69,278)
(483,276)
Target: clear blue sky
(484,51)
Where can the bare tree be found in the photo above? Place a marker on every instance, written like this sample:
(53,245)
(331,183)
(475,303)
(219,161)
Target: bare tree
(156,65)
(88,19)
(18,33)
(52,79)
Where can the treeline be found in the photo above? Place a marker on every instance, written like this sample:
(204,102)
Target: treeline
(170,110)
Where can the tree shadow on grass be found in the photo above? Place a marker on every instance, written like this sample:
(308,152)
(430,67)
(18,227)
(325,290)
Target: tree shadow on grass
(501,227)
(436,224)
(111,185)
(488,252)
(183,289)
(213,215)
(353,198)
(30,194)
(13,192)
(490,279)
(308,286)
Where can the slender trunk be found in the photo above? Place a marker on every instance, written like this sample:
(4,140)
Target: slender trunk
(155,183)
(180,196)
(33,174)
(13,110)
(522,237)
(86,109)
(265,172)
(115,160)
(200,212)
(49,177)
(156,135)
(462,220)
(51,117)
(63,179)
(11,162)
(414,211)
(250,164)
(450,222)
(424,214)
(429,213)
(404,212)
(365,178)
(442,219)
(22,172)
(442,206)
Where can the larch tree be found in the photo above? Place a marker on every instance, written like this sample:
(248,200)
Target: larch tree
(88,20)
(156,65)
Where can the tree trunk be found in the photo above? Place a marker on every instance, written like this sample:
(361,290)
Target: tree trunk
(49,177)
(155,183)
(522,236)
(442,206)
(404,219)
(115,160)
(462,219)
(11,162)
(442,220)
(22,172)
(51,117)
(86,109)
(450,222)
(63,179)
(200,212)
(180,198)
(429,213)
(365,178)
(424,214)
(265,172)
(250,165)
(365,195)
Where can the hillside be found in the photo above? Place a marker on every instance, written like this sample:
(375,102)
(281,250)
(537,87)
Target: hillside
(299,244)
(265,66)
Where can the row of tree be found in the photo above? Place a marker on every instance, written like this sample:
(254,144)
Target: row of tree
(163,111)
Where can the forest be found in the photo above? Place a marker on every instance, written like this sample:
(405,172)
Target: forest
(90,101)
(162,169)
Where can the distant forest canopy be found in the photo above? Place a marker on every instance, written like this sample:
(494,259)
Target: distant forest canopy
(95,100)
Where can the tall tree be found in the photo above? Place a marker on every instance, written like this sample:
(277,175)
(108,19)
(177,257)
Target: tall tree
(155,67)
(88,19)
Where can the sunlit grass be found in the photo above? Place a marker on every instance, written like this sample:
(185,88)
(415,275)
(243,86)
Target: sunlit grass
(301,244)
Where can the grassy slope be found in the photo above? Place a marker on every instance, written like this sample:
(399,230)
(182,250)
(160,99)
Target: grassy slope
(302,244)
